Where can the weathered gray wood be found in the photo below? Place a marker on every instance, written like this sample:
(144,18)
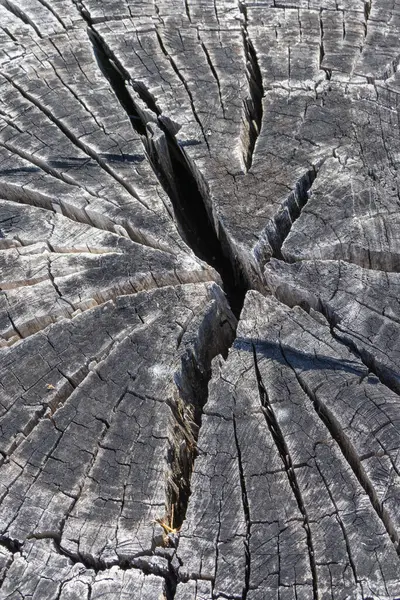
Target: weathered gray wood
(295,463)
(40,572)
(151,152)
(194,590)
(71,268)
(97,472)
(361,305)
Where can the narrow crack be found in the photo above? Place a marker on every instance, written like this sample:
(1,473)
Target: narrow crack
(74,139)
(187,411)
(181,182)
(62,394)
(185,85)
(214,73)
(328,72)
(341,524)
(283,450)
(187,9)
(48,6)
(348,450)
(253,108)
(138,563)
(292,209)
(383,373)
(246,512)
(20,14)
(367,12)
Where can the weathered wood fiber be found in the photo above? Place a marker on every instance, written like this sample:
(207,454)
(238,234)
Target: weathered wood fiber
(360,304)
(199,300)
(298,467)
(43,573)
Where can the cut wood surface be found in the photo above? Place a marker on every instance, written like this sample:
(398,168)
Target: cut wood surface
(199,300)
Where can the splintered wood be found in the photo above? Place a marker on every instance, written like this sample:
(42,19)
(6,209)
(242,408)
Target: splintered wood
(166,167)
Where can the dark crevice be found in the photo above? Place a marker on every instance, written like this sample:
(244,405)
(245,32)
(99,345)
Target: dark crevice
(171,583)
(291,210)
(175,173)
(253,108)
(246,511)
(348,451)
(187,411)
(187,9)
(367,12)
(283,450)
(11,545)
(328,72)
(321,47)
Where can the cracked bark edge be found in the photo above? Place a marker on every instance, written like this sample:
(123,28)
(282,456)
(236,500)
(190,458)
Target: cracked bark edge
(283,451)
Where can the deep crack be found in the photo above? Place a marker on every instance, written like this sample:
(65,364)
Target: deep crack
(253,107)
(175,173)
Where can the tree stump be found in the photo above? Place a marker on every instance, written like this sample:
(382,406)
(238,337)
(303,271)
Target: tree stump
(199,300)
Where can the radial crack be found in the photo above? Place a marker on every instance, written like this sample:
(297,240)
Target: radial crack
(253,107)
(20,14)
(291,209)
(283,450)
(174,170)
(246,511)
(348,450)
(75,140)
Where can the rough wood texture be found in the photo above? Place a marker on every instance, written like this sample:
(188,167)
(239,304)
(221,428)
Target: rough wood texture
(166,168)
(297,471)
